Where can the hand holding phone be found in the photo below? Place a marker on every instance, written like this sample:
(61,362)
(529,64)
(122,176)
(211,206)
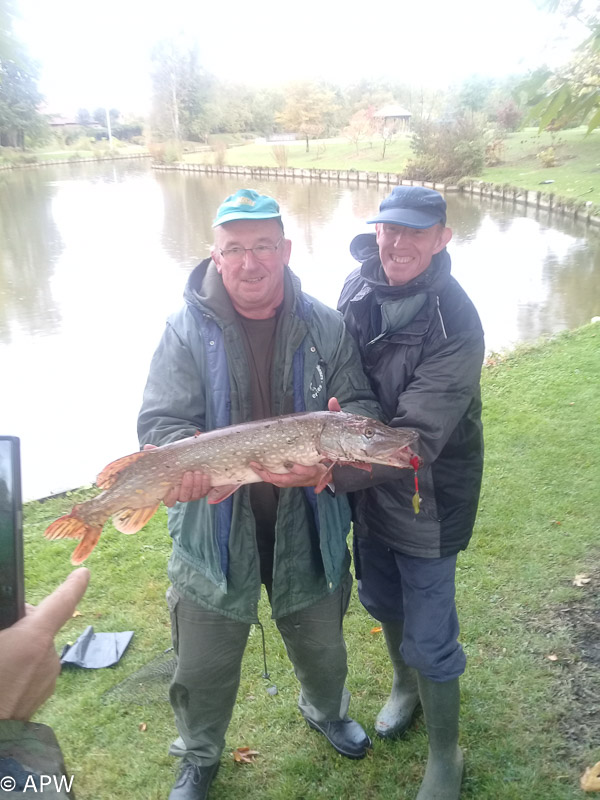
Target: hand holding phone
(12,594)
(29,664)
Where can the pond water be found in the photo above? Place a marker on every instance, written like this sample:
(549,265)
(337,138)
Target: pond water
(94,257)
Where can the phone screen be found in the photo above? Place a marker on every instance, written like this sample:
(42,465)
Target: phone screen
(12,601)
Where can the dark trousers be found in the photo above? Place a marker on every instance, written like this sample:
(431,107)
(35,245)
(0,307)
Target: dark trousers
(420,592)
(209,649)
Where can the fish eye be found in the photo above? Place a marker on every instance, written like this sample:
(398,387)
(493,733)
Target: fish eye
(369,433)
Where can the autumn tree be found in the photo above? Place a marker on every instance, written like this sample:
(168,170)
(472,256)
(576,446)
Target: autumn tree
(361,126)
(308,109)
(571,93)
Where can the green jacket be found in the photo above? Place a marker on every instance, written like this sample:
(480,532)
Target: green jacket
(31,762)
(199,380)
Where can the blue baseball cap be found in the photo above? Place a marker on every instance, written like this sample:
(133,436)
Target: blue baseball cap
(246,204)
(412,207)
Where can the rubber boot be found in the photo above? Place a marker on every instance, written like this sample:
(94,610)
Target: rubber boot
(443,774)
(396,715)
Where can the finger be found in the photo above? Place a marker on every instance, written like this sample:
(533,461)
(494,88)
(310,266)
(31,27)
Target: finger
(59,607)
(201,485)
(187,487)
(149,447)
(260,471)
(333,404)
(172,496)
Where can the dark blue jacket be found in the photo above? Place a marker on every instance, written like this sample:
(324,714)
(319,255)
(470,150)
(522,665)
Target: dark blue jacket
(422,349)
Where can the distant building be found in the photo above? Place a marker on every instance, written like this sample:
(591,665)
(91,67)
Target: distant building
(59,121)
(395,117)
(281,137)
(68,123)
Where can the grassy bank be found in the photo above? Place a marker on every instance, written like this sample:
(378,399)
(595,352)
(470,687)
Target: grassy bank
(14,157)
(521,722)
(576,173)
(323,154)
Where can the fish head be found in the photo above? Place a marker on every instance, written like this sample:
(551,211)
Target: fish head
(349,437)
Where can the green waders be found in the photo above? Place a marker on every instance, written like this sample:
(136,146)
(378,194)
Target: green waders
(396,715)
(443,774)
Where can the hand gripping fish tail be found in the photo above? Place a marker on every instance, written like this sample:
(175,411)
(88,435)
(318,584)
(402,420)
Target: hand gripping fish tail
(135,485)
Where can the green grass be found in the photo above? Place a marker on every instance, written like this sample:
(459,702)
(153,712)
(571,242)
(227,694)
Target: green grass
(18,157)
(576,174)
(537,528)
(323,154)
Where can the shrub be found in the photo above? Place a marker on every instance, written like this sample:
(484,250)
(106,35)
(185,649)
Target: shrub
(165,152)
(280,154)
(127,132)
(219,150)
(509,115)
(494,148)
(547,157)
(446,151)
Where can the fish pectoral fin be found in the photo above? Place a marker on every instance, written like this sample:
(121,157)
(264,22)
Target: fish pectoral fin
(132,520)
(219,493)
(327,478)
(357,465)
(110,473)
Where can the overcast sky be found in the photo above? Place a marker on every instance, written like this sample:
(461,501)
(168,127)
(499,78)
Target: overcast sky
(98,54)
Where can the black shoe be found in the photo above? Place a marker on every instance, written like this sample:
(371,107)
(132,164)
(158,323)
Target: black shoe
(193,782)
(345,735)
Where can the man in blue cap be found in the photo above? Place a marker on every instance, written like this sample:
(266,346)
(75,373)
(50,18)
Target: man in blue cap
(422,348)
(249,344)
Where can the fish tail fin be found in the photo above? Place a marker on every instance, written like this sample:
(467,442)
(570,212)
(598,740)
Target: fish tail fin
(72,527)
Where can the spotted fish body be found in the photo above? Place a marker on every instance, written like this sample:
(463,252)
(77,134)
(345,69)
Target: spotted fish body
(135,485)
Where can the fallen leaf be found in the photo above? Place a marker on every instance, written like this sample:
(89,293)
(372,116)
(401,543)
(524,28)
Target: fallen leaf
(244,755)
(143,726)
(552,657)
(376,630)
(76,613)
(581,579)
(590,780)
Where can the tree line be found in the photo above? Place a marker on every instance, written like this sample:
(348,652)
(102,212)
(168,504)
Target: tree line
(191,104)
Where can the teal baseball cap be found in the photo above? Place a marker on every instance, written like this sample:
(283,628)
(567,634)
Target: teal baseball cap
(246,204)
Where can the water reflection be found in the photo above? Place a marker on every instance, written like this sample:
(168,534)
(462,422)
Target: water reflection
(27,253)
(94,257)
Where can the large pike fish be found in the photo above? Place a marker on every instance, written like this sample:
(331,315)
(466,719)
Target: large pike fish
(135,485)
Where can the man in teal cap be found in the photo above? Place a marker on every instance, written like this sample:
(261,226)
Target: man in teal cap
(249,344)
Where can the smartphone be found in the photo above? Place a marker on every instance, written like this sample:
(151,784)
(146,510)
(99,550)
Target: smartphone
(12,581)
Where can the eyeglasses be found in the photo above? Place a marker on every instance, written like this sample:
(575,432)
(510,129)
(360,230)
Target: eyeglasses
(262,252)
